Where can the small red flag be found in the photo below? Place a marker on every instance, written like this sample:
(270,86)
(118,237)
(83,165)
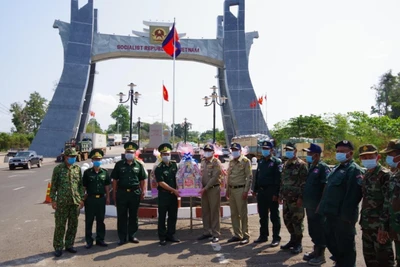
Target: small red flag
(260,100)
(165,93)
(92,113)
(265,97)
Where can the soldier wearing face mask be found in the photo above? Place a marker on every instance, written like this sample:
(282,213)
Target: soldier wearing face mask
(294,175)
(266,189)
(318,172)
(375,187)
(168,195)
(239,184)
(129,187)
(339,205)
(390,217)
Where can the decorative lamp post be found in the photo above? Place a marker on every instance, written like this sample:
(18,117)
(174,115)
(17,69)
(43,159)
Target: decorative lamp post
(133,97)
(138,131)
(215,100)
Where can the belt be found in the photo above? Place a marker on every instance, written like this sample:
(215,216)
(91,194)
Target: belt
(96,196)
(216,185)
(129,189)
(236,186)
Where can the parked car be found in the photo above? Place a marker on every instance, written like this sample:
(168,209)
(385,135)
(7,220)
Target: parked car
(125,139)
(225,152)
(25,159)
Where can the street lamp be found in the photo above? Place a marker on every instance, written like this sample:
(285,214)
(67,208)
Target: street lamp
(133,97)
(138,131)
(215,99)
(118,122)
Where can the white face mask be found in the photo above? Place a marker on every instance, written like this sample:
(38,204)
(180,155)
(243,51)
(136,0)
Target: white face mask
(235,154)
(208,154)
(129,156)
(166,159)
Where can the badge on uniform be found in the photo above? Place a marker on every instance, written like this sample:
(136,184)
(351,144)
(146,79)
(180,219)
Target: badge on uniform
(342,171)
(316,171)
(271,164)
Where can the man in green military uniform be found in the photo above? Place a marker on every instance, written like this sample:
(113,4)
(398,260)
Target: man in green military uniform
(339,205)
(67,195)
(266,189)
(168,195)
(239,184)
(129,187)
(294,175)
(375,187)
(210,194)
(316,180)
(96,182)
(390,218)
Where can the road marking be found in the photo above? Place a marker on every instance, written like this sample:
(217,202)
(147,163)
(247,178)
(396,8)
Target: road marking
(47,180)
(18,188)
(13,175)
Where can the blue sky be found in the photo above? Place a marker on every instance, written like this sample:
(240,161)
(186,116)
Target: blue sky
(312,57)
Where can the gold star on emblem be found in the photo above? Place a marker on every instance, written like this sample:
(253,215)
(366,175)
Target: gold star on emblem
(365,148)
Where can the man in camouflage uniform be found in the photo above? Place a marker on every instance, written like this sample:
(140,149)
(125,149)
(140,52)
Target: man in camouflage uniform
(266,189)
(67,199)
(375,188)
(96,182)
(210,194)
(129,187)
(294,175)
(390,218)
(239,184)
(339,205)
(315,184)
(168,195)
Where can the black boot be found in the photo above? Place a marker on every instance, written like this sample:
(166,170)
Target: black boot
(310,255)
(319,258)
(290,244)
(297,248)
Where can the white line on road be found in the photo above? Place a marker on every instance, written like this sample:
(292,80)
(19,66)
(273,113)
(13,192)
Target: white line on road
(13,175)
(47,180)
(18,188)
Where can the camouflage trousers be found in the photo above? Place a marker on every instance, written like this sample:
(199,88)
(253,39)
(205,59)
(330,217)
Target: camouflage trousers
(376,254)
(397,246)
(63,214)
(293,218)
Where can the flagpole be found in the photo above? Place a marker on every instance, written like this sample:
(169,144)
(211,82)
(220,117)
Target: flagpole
(162,106)
(173,94)
(266,108)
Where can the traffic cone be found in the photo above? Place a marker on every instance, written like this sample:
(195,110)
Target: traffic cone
(48,199)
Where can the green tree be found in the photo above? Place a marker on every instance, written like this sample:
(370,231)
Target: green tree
(122,120)
(180,129)
(93,123)
(35,109)
(18,117)
(387,96)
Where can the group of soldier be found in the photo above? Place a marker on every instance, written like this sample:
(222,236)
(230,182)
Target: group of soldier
(330,198)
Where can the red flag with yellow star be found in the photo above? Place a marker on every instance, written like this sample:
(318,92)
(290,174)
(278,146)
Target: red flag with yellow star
(165,93)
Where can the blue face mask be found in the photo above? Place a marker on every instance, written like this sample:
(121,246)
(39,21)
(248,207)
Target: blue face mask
(266,153)
(235,154)
(309,159)
(289,154)
(71,161)
(341,157)
(97,163)
(390,161)
(369,163)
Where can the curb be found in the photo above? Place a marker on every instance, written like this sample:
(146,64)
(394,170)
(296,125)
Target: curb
(183,213)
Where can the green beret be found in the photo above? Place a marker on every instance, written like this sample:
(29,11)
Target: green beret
(392,146)
(70,152)
(165,148)
(131,146)
(96,154)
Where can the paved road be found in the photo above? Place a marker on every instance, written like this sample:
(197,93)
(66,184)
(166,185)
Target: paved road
(26,230)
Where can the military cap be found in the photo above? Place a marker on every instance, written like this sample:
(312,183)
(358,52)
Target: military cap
(131,146)
(70,152)
(267,144)
(367,149)
(314,148)
(209,147)
(165,148)
(236,146)
(290,146)
(96,154)
(345,143)
(392,146)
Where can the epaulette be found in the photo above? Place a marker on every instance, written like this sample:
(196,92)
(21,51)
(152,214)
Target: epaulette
(384,170)
(160,164)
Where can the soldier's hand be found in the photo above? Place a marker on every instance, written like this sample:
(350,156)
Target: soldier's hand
(54,205)
(275,198)
(142,195)
(280,201)
(176,192)
(115,199)
(245,195)
(202,191)
(227,195)
(299,203)
(108,201)
(81,204)
(254,194)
